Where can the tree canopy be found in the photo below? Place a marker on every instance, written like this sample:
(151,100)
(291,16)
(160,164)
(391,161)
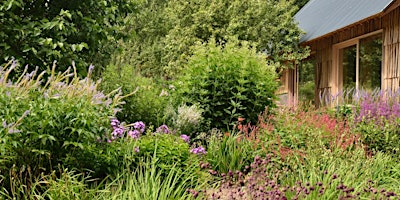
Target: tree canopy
(167,31)
(37,32)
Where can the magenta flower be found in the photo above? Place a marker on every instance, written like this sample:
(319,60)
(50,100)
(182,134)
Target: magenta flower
(139,126)
(162,129)
(135,134)
(137,149)
(115,123)
(118,132)
(199,150)
(185,138)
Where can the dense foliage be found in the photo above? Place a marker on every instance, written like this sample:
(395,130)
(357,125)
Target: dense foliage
(39,32)
(163,46)
(65,121)
(228,82)
(148,102)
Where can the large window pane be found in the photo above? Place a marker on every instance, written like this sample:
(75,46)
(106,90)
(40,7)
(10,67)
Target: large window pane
(370,62)
(347,59)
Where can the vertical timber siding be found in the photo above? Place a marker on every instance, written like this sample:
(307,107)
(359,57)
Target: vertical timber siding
(391,46)
(323,67)
(326,73)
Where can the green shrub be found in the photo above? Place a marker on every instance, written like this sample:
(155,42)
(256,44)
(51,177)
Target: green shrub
(57,121)
(149,101)
(169,150)
(228,82)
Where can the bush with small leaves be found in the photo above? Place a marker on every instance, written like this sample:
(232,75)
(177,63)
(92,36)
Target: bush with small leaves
(228,81)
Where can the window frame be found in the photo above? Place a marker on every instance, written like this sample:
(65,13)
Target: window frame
(338,70)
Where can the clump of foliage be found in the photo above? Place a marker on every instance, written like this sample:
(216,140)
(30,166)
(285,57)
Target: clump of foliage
(39,32)
(230,153)
(149,182)
(228,81)
(62,120)
(169,149)
(149,100)
(185,119)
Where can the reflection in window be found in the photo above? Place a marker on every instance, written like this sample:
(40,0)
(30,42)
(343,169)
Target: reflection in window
(370,62)
(348,58)
(368,67)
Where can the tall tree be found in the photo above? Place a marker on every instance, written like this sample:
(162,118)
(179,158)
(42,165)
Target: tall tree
(37,32)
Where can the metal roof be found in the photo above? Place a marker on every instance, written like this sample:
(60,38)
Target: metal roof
(320,17)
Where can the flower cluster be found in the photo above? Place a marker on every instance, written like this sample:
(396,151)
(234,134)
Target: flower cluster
(118,129)
(139,126)
(163,129)
(199,150)
(378,109)
(135,134)
(185,138)
(138,129)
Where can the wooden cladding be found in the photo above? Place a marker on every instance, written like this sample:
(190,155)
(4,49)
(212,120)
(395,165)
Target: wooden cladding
(288,90)
(391,46)
(327,73)
(323,67)
(365,27)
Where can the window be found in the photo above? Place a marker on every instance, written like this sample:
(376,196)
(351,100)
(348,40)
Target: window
(359,63)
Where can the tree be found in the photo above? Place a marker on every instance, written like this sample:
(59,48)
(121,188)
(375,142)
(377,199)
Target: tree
(267,24)
(301,3)
(145,50)
(37,32)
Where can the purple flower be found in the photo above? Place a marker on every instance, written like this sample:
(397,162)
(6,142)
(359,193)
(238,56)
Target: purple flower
(91,68)
(115,123)
(118,132)
(137,149)
(139,126)
(185,138)
(199,150)
(13,130)
(162,129)
(135,134)
(26,113)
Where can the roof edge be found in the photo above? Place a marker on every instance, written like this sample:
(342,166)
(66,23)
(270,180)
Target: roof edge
(380,14)
(393,5)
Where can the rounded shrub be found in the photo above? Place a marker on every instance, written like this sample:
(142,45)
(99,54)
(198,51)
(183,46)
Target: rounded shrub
(168,149)
(228,81)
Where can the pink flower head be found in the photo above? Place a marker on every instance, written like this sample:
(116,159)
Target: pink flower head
(185,138)
(199,150)
(135,134)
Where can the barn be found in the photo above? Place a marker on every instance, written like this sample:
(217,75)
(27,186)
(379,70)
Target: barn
(353,43)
